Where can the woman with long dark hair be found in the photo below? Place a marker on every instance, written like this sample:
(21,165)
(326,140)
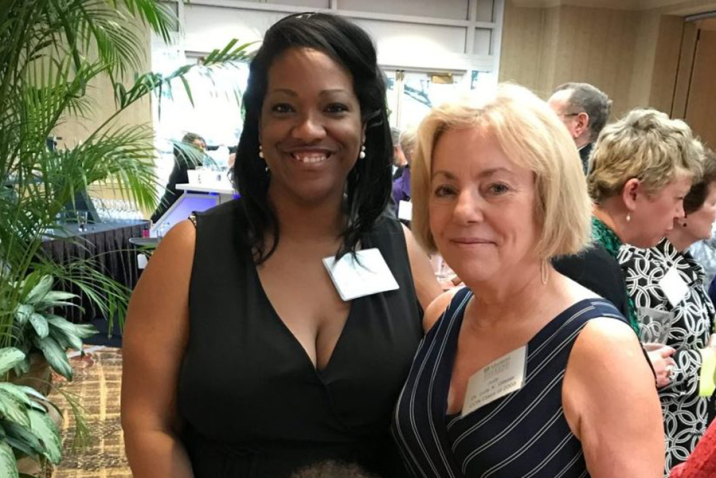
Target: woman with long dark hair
(243,355)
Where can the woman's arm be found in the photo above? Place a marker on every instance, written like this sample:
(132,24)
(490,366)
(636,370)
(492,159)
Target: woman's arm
(437,308)
(611,403)
(426,285)
(155,337)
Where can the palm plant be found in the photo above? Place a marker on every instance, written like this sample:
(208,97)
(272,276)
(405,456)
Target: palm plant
(51,52)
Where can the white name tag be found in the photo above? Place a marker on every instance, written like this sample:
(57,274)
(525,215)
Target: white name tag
(142,261)
(502,377)
(674,287)
(367,275)
(405,211)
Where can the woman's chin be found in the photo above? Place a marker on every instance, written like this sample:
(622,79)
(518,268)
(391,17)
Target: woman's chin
(474,278)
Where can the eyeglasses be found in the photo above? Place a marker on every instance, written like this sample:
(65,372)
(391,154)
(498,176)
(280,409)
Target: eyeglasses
(568,114)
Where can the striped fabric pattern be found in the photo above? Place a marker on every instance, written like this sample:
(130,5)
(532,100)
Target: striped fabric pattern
(524,434)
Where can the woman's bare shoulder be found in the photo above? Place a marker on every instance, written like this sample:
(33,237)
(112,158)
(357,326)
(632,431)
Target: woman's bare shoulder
(437,307)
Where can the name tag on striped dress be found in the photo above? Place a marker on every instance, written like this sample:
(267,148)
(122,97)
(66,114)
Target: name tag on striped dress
(501,377)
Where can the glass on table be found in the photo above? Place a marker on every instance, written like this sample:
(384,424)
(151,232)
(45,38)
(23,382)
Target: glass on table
(162,229)
(443,273)
(82,217)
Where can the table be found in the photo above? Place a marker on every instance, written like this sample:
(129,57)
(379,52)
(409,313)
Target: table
(105,243)
(219,188)
(145,242)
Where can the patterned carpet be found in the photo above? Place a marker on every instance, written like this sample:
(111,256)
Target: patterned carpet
(96,387)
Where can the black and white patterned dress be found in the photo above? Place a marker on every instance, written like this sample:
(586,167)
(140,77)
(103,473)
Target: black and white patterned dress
(685,412)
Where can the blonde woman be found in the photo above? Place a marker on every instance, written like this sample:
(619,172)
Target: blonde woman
(526,373)
(683,321)
(641,169)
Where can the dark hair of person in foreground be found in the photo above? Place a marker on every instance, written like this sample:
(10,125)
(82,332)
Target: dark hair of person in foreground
(368,185)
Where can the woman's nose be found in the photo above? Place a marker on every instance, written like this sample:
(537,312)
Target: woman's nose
(468,208)
(309,128)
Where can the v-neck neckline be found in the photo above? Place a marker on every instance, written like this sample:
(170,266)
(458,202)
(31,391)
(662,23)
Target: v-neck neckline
(321,374)
(449,361)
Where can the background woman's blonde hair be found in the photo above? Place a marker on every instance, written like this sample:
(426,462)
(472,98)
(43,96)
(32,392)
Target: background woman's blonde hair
(531,135)
(646,145)
(408,139)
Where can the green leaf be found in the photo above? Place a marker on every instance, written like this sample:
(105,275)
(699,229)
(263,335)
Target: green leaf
(15,391)
(8,464)
(55,356)
(80,330)
(32,445)
(23,313)
(56,298)
(11,409)
(64,342)
(21,368)
(85,331)
(70,335)
(39,291)
(32,392)
(53,296)
(44,429)
(187,89)
(39,323)
(22,447)
(9,357)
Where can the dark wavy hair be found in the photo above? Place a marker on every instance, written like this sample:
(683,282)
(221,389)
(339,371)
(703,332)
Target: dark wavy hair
(697,195)
(369,182)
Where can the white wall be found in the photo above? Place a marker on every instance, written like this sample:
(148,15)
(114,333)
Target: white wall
(421,36)
(426,35)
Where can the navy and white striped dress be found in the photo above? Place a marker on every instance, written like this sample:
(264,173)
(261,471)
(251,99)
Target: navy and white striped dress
(524,434)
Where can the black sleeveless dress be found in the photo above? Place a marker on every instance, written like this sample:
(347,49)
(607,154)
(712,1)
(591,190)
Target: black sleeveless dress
(252,401)
(523,434)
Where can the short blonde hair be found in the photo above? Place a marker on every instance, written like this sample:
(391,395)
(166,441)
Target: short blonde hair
(646,145)
(531,135)
(408,140)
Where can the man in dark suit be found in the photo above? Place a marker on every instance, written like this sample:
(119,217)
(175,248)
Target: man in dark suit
(584,110)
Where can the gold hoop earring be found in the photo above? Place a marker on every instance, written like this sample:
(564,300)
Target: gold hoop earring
(544,272)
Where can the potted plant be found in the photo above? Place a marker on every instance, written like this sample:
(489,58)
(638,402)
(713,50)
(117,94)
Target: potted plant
(51,54)
(26,430)
(40,332)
